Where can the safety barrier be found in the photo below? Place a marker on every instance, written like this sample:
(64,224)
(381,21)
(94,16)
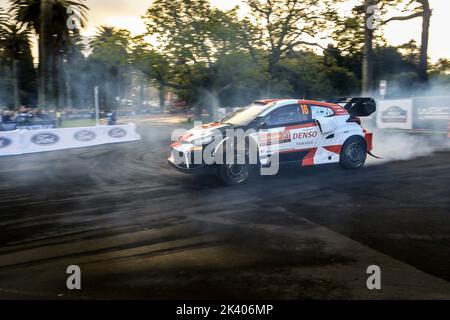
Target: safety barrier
(418,113)
(395,114)
(31,141)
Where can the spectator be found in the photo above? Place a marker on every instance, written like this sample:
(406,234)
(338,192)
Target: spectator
(112,118)
(59,118)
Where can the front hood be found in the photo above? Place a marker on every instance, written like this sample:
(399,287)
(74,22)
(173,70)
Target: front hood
(204,131)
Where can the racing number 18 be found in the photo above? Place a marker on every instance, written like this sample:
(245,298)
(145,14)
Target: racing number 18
(305,109)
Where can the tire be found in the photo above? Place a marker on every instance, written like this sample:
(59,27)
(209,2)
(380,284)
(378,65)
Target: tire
(233,174)
(354,153)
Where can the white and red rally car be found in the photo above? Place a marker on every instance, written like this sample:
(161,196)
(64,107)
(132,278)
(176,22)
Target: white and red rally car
(295,132)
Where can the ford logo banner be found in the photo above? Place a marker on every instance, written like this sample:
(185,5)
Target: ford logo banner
(45,139)
(84,135)
(117,133)
(4,142)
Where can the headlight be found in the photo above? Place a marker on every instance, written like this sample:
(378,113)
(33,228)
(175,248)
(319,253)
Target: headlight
(203,141)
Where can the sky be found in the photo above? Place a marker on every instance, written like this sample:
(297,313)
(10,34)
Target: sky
(127,14)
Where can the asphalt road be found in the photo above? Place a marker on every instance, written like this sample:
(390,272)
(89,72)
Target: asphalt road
(138,229)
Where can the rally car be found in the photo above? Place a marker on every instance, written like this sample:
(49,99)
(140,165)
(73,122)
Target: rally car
(283,132)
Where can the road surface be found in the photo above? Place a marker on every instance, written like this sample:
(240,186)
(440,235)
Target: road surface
(138,229)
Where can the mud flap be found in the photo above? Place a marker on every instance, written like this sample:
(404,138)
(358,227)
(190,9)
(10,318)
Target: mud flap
(371,154)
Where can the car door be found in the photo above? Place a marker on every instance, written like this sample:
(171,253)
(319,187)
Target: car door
(289,131)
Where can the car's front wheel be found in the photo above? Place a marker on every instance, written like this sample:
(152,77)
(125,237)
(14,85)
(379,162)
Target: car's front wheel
(353,153)
(233,173)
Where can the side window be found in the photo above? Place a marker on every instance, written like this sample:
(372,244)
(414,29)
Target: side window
(288,115)
(321,112)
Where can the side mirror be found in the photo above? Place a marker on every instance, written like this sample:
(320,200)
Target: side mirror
(262,125)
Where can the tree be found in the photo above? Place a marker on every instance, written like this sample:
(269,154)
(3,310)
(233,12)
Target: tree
(365,25)
(442,66)
(152,64)
(416,9)
(367,62)
(356,36)
(440,76)
(73,67)
(14,41)
(276,27)
(305,76)
(48,19)
(193,37)
(109,63)
(15,54)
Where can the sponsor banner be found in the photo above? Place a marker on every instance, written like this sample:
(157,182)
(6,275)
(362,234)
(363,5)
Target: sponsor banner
(431,113)
(30,141)
(395,114)
(10,142)
(84,135)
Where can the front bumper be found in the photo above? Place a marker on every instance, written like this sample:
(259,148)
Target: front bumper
(191,169)
(186,158)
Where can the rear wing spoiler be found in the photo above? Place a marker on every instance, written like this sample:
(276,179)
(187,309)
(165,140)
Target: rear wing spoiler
(357,107)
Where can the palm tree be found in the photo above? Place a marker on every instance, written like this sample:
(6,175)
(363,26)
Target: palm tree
(74,59)
(48,19)
(110,53)
(15,44)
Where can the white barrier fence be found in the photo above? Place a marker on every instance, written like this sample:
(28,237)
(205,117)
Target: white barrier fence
(31,141)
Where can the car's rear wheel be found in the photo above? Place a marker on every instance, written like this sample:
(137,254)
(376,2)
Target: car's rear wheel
(353,153)
(232,173)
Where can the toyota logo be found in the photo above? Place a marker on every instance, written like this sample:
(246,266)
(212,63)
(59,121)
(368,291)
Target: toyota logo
(4,142)
(45,139)
(85,135)
(117,133)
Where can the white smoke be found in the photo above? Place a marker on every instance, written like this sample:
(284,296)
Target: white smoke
(397,146)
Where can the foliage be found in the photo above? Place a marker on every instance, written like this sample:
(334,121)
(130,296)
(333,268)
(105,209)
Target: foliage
(207,56)
(16,63)
(108,64)
(48,19)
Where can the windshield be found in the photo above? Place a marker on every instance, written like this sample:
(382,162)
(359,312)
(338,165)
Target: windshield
(246,115)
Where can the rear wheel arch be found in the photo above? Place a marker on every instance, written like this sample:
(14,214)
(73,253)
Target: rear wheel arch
(356,137)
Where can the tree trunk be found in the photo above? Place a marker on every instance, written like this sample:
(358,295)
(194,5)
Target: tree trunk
(141,91)
(423,67)
(60,82)
(45,63)
(67,85)
(367,63)
(107,95)
(162,89)
(212,101)
(272,67)
(15,80)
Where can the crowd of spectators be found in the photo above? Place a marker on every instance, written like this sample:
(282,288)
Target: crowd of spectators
(36,118)
(24,114)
